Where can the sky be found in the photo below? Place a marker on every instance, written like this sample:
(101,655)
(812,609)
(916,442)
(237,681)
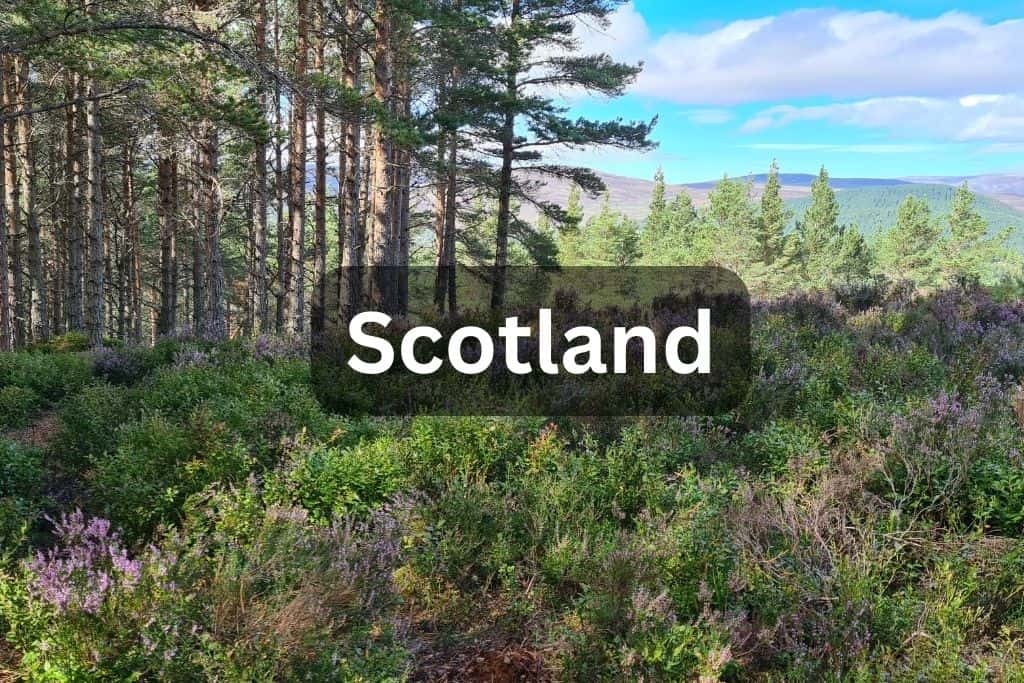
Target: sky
(904,88)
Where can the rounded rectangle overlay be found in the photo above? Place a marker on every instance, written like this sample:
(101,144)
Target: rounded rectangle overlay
(579,341)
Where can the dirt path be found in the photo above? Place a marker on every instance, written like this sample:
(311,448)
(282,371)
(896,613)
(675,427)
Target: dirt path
(39,434)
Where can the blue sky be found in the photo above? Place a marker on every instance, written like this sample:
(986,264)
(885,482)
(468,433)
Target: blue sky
(911,88)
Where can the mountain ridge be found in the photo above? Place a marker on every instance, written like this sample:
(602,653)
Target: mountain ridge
(631,196)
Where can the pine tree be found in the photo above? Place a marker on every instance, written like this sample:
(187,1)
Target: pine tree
(819,232)
(656,213)
(526,35)
(608,239)
(656,225)
(728,237)
(676,245)
(774,216)
(853,259)
(910,249)
(569,237)
(965,251)
(574,207)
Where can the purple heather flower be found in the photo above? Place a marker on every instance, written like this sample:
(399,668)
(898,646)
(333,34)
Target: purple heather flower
(87,564)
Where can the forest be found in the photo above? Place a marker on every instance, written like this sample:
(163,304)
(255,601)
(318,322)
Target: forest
(192,191)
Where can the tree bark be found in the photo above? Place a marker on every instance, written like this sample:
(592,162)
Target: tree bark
(6,334)
(450,222)
(58,276)
(95,322)
(351,237)
(297,178)
(317,309)
(12,199)
(259,287)
(402,189)
(284,248)
(199,253)
(214,325)
(133,244)
(167,214)
(26,177)
(508,132)
(75,221)
(381,257)
(440,206)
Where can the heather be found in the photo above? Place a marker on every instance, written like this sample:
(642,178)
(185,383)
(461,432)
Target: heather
(197,515)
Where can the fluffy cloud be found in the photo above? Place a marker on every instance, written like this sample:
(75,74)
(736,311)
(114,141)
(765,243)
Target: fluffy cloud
(818,53)
(968,119)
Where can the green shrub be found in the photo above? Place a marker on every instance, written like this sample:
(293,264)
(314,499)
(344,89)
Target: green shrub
(70,342)
(285,600)
(331,482)
(89,422)
(18,405)
(22,481)
(444,450)
(773,446)
(157,465)
(997,493)
(52,376)
(900,373)
(177,393)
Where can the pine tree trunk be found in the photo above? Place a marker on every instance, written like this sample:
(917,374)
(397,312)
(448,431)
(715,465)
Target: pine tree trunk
(199,253)
(381,255)
(111,287)
(450,222)
(167,213)
(12,199)
(403,195)
(259,286)
(508,132)
(117,300)
(297,178)
(317,308)
(214,325)
(95,291)
(365,177)
(133,244)
(59,274)
(351,237)
(27,174)
(284,245)
(440,201)
(75,221)
(447,215)
(6,333)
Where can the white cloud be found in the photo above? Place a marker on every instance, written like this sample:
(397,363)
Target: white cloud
(967,119)
(819,53)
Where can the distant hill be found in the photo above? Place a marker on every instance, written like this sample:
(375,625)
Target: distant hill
(869,202)
(632,196)
(1001,184)
(805,179)
(874,208)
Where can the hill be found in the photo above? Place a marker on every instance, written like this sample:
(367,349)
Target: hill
(874,208)
(871,203)
(632,196)
(801,180)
